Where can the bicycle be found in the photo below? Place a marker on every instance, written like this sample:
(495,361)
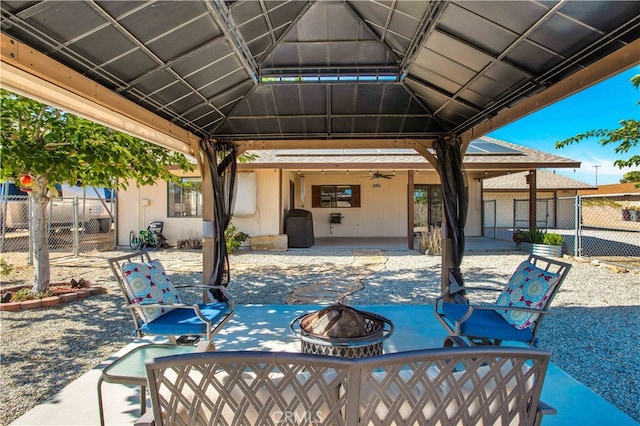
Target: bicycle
(151,237)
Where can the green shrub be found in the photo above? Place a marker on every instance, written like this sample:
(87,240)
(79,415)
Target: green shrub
(21,295)
(5,267)
(534,236)
(234,238)
(553,239)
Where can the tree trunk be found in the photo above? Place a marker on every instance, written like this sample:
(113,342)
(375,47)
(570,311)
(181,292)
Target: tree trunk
(39,202)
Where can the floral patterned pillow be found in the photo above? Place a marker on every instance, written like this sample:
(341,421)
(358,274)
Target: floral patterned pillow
(148,283)
(529,287)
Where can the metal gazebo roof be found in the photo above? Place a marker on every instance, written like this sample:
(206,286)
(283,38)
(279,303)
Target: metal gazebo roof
(318,70)
(267,74)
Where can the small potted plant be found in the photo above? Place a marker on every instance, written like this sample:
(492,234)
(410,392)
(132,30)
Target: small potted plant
(539,242)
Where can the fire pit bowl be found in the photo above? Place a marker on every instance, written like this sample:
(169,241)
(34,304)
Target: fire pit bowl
(342,331)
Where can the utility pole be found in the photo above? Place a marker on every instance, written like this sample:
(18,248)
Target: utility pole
(596,167)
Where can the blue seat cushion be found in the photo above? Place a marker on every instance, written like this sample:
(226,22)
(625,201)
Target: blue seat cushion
(484,323)
(184,321)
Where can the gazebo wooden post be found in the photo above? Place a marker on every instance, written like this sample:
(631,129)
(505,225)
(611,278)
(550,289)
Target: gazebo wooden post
(208,218)
(533,199)
(447,247)
(447,259)
(410,208)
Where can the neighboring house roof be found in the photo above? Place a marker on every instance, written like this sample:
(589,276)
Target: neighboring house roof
(614,188)
(483,154)
(544,180)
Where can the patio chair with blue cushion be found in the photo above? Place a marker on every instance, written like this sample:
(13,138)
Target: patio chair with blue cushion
(156,306)
(517,312)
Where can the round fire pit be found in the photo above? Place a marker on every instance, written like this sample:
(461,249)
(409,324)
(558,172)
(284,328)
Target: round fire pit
(342,331)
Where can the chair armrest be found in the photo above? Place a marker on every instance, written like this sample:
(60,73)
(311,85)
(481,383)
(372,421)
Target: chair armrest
(146,419)
(456,289)
(212,287)
(159,305)
(221,288)
(546,409)
(509,308)
(194,308)
(482,288)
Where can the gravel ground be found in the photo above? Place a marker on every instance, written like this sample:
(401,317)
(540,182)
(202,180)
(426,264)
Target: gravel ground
(593,335)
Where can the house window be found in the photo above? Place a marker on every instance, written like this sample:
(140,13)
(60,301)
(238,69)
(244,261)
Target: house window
(335,195)
(184,199)
(427,206)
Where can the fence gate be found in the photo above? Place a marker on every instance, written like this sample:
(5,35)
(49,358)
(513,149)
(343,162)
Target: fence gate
(489,225)
(521,214)
(74,225)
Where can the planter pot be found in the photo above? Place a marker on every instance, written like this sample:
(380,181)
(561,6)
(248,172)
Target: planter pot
(544,250)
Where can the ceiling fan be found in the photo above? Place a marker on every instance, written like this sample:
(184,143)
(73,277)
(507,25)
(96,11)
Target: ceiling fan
(378,175)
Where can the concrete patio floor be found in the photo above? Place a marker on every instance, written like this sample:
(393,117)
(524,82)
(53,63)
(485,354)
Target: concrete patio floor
(266,327)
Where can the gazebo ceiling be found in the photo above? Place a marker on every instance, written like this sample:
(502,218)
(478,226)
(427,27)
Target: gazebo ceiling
(280,70)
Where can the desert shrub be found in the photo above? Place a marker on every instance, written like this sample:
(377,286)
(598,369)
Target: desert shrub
(430,242)
(5,267)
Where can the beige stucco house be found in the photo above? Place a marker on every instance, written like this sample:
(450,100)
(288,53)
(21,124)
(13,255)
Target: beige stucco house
(376,192)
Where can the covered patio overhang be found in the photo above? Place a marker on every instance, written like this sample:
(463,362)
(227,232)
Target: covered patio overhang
(430,76)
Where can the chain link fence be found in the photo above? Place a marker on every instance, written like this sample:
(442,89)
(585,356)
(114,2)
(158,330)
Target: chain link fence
(74,225)
(603,227)
(544,213)
(609,228)
(490,219)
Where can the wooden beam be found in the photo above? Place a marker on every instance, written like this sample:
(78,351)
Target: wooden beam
(338,166)
(30,73)
(423,149)
(262,145)
(208,225)
(532,180)
(620,60)
(410,207)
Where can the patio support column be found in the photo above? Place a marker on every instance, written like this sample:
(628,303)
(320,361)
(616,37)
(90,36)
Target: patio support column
(533,203)
(449,153)
(221,159)
(208,217)
(410,207)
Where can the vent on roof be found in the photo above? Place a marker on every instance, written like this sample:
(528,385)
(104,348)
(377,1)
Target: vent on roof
(327,78)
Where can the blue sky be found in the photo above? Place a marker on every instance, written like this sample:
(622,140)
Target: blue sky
(601,106)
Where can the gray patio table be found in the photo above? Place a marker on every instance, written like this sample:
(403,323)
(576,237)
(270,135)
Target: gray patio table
(129,369)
